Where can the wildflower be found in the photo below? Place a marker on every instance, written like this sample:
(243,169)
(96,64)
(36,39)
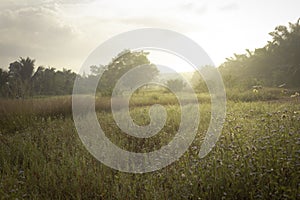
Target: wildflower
(183,175)
(255,91)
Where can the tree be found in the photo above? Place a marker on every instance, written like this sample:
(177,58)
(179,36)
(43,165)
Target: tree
(27,67)
(4,89)
(38,83)
(201,79)
(176,84)
(125,61)
(15,80)
(276,63)
(20,81)
(50,81)
(20,73)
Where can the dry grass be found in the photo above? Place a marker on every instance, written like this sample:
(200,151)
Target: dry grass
(42,157)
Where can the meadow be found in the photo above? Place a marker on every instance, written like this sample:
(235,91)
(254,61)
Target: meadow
(256,157)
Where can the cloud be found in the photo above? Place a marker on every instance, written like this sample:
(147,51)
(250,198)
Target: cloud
(229,7)
(156,22)
(35,31)
(64,32)
(199,8)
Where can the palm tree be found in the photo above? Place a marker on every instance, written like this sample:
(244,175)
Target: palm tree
(27,66)
(20,73)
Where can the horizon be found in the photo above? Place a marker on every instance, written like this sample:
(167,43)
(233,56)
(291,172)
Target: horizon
(61,35)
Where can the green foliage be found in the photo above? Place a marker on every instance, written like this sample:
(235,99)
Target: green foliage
(4,87)
(49,81)
(124,62)
(19,78)
(256,157)
(250,95)
(27,66)
(272,65)
(205,76)
(21,81)
(176,84)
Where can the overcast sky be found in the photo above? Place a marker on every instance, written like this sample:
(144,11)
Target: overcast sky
(63,33)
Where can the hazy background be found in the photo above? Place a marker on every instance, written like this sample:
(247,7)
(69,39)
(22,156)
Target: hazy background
(62,33)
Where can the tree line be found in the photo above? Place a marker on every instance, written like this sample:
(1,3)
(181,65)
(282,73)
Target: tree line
(22,81)
(275,64)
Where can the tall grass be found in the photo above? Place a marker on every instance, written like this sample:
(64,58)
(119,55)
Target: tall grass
(256,157)
(18,114)
(264,94)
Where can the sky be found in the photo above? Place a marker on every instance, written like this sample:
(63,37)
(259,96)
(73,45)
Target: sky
(62,34)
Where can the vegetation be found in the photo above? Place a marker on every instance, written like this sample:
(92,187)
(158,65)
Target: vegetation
(256,157)
(176,84)
(275,64)
(111,73)
(21,81)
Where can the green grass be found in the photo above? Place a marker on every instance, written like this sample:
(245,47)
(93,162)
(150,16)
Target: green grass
(256,157)
(264,94)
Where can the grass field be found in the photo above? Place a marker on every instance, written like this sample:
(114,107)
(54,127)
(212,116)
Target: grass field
(256,157)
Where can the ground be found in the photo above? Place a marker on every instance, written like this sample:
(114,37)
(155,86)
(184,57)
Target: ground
(256,157)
